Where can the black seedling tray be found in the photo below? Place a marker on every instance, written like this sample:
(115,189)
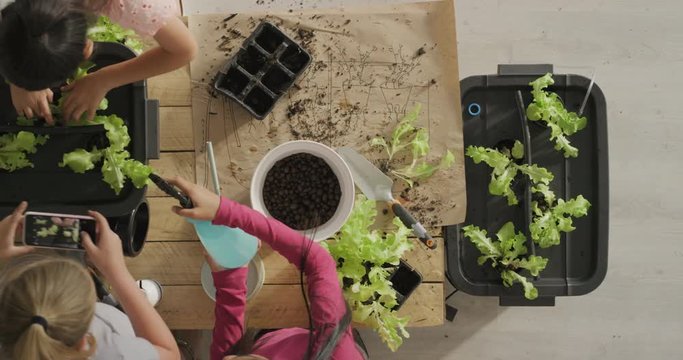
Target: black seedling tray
(47,187)
(494,114)
(264,68)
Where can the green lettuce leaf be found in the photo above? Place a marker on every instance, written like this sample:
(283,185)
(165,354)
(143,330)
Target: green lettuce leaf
(24,121)
(534,264)
(15,147)
(111,169)
(537,174)
(510,277)
(407,136)
(492,157)
(107,31)
(500,185)
(546,227)
(81,160)
(505,170)
(511,244)
(518,150)
(548,107)
(488,249)
(505,255)
(137,172)
(360,252)
(544,190)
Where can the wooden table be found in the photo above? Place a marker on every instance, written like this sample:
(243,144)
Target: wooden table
(173,254)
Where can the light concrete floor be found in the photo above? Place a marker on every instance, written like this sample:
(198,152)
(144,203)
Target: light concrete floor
(636,46)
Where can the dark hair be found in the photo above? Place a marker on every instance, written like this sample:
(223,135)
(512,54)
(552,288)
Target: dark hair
(41,41)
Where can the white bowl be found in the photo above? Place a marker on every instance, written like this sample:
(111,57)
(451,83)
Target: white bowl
(255,278)
(336,163)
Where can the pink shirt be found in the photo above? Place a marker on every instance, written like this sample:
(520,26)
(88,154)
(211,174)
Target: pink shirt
(324,292)
(146,17)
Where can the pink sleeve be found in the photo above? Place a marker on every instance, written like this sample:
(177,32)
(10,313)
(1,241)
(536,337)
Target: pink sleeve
(146,17)
(231,301)
(327,302)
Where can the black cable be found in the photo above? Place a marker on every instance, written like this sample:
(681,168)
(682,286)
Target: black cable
(451,294)
(307,244)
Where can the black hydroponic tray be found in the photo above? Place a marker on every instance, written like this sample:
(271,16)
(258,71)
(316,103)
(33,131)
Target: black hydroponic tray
(47,187)
(491,117)
(261,72)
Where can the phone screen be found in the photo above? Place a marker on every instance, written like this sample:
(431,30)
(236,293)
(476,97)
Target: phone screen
(57,230)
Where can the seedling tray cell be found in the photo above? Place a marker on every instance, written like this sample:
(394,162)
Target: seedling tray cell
(493,115)
(264,68)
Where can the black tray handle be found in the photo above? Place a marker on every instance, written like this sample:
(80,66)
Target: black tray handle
(525,69)
(153,150)
(522,301)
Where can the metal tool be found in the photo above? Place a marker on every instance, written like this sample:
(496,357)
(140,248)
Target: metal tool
(171,190)
(211,159)
(377,186)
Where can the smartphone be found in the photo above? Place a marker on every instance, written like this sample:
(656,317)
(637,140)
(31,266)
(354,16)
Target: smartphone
(57,231)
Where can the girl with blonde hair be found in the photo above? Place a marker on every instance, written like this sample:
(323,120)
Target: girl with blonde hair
(49,309)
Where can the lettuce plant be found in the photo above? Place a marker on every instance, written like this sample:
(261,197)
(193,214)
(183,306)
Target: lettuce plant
(505,170)
(365,260)
(15,147)
(548,107)
(505,255)
(406,136)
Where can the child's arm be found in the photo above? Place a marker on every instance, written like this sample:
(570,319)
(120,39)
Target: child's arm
(327,302)
(107,256)
(176,48)
(231,303)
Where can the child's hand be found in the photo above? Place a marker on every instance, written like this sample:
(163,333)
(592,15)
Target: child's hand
(107,254)
(8,231)
(205,202)
(85,96)
(32,103)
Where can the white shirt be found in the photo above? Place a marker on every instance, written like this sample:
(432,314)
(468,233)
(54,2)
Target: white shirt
(115,337)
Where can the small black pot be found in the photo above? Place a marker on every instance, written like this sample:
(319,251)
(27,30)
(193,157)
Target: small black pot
(404,280)
(132,229)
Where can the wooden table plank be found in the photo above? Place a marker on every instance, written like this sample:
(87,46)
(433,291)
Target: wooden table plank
(179,263)
(176,128)
(169,165)
(164,225)
(280,306)
(172,89)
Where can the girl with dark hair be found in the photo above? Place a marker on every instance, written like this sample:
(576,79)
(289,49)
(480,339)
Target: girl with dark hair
(43,41)
(331,336)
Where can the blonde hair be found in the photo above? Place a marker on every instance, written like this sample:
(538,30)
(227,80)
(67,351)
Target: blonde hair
(55,288)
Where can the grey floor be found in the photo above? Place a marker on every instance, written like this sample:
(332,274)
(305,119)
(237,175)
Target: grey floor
(637,49)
